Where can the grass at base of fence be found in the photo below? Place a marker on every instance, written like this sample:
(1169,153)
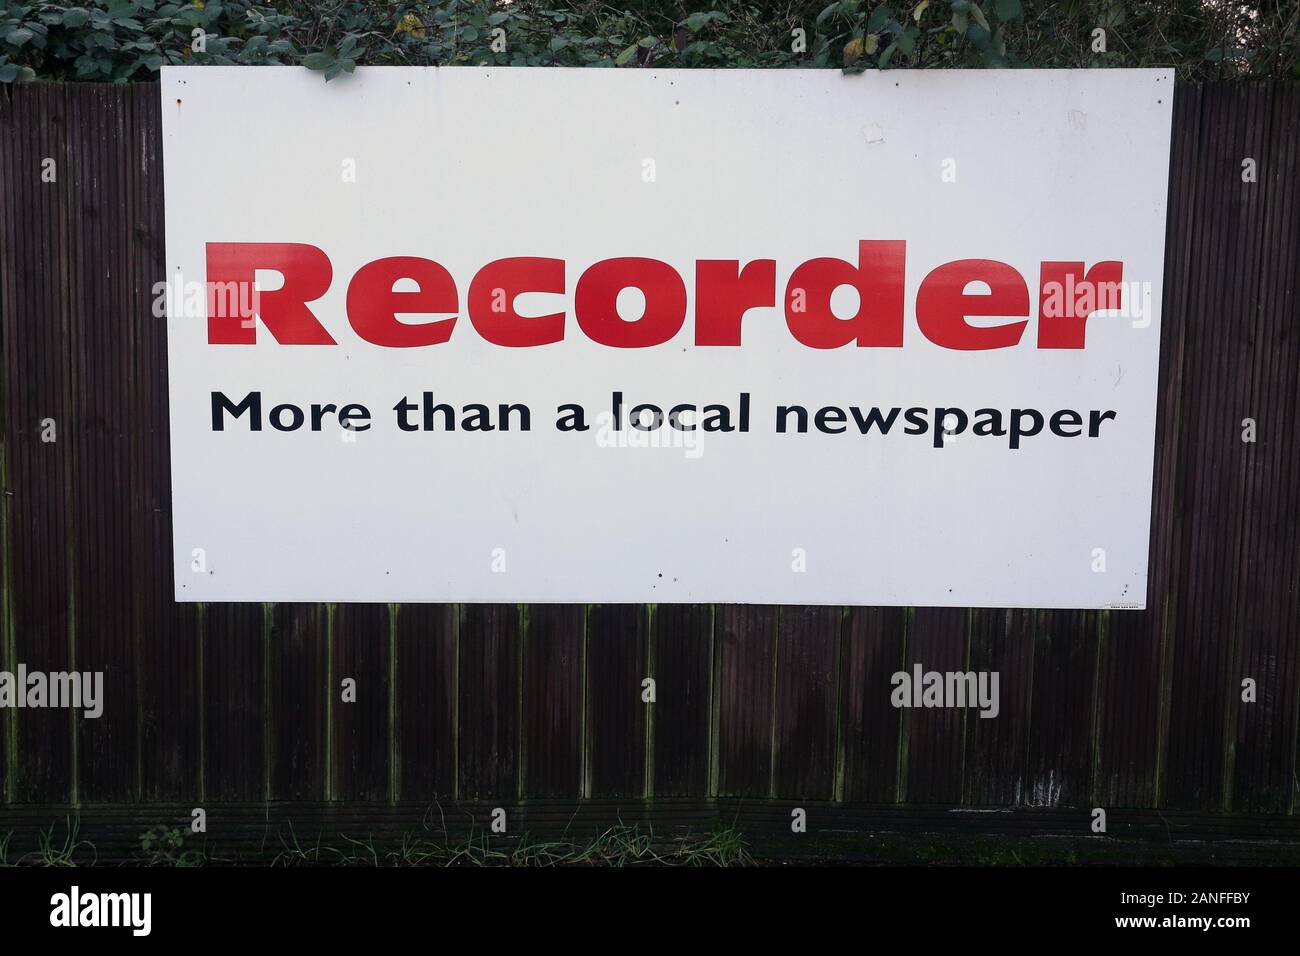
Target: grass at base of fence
(61,845)
(616,846)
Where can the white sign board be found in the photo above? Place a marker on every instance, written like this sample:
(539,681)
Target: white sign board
(664,336)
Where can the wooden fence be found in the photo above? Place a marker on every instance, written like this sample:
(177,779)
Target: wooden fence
(239,704)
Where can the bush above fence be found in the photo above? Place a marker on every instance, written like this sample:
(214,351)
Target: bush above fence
(121,41)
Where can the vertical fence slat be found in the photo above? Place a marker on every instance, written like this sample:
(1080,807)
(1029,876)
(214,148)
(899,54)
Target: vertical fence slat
(361,712)
(234,726)
(1202,679)
(552,700)
(489,704)
(1250,138)
(937,641)
(299,693)
(682,666)
(8,135)
(167,683)
(103,351)
(37,370)
(426,676)
(807,672)
(1264,740)
(1060,729)
(1002,641)
(617,661)
(874,649)
(746,684)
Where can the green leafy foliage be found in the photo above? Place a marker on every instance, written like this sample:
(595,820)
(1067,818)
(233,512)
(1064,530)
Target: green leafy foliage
(128,40)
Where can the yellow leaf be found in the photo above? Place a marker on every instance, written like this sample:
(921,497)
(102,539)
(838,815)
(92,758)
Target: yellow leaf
(860,46)
(920,10)
(411,24)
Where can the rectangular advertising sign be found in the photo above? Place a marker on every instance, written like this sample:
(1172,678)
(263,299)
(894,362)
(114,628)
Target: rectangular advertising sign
(636,335)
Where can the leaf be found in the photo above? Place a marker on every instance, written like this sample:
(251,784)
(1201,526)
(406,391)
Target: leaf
(879,18)
(920,10)
(75,17)
(978,14)
(626,56)
(980,38)
(1008,9)
(19,37)
(825,14)
(318,61)
(887,55)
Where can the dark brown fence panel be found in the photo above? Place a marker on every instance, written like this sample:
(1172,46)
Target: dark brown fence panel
(1268,563)
(7,726)
(362,725)
(1237,228)
(490,700)
(168,683)
(243,703)
(553,659)
(746,690)
(38,215)
(1127,720)
(1218,341)
(1062,700)
(807,701)
(235,738)
(102,347)
(932,736)
(617,719)
(874,649)
(425,671)
(298,692)
(681,662)
(1001,641)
